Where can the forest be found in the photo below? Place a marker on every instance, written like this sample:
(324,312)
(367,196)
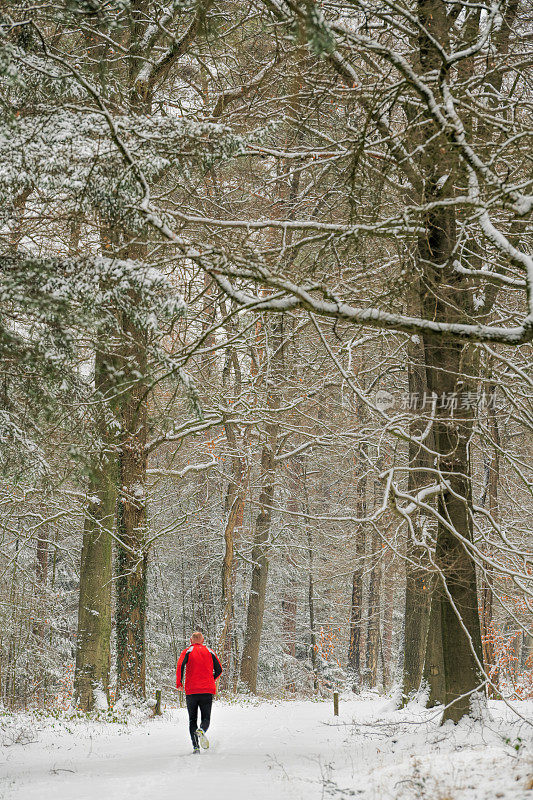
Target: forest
(266,292)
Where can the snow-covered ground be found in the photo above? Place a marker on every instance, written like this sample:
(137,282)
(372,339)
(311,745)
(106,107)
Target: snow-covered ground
(274,750)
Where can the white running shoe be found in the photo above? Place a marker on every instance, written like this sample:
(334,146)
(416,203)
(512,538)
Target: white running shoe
(202,738)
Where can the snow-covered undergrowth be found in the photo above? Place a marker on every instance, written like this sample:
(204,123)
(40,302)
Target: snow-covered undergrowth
(272,750)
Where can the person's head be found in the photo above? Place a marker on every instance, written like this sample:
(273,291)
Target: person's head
(197,637)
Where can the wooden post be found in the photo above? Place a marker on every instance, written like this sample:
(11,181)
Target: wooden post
(335,704)
(157,707)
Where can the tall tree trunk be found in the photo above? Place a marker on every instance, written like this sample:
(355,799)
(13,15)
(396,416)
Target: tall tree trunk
(373,639)
(487,595)
(289,603)
(461,634)
(311,602)
(232,520)
(447,298)
(417,611)
(41,574)
(434,658)
(419,581)
(388,620)
(356,607)
(93,653)
(235,501)
(132,550)
(233,510)
(93,642)
(311,580)
(132,554)
(256,601)
(287,192)
(356,610)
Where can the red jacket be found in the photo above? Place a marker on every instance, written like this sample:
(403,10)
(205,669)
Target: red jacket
(201,667)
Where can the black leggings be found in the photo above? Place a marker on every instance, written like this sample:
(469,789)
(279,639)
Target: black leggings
(204,703)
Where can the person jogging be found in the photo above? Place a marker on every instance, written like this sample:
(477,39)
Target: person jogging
(198,669)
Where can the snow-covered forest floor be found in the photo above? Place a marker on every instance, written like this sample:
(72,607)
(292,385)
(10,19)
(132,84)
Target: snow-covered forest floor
(285,749)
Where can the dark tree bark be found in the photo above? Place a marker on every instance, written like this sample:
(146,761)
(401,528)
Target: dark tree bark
(446,297)
(487,594)
(434,658)
(418,578)
(93,641)
(257,597)
(234,511)
(356,610)
(132,555)
(289,602)
(311,580)
(373,639)
(131,545)
(461,635)
(311,602)
(388,619)
(356,607)
(256,601)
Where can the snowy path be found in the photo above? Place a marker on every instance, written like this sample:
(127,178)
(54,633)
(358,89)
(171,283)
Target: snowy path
(275,751)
